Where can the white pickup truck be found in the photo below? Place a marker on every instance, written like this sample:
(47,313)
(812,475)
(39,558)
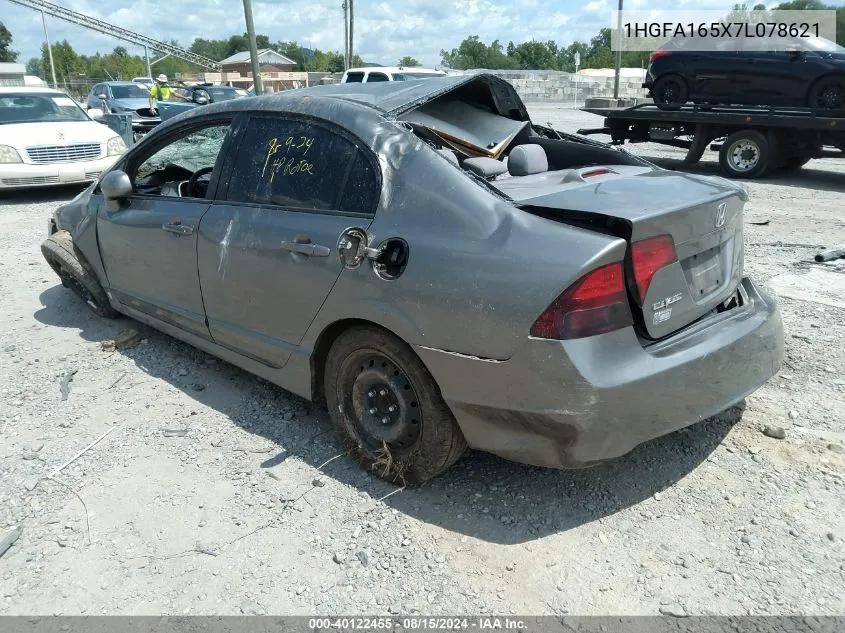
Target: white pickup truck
(384,73)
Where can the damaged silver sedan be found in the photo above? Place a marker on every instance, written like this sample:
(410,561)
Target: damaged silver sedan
(437,269)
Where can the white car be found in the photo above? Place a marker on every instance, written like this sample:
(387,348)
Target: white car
(370,74)
(47,139)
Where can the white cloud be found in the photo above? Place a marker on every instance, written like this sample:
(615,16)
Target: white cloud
(596,6)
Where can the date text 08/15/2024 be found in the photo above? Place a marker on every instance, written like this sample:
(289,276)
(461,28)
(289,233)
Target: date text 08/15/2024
(481,623)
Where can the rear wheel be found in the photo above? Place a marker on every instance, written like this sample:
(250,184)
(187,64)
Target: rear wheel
(670,90)
(828,93)
(388,408)
(61,254)
(745,154)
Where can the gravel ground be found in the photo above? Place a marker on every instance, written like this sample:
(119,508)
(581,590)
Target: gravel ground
(217,493)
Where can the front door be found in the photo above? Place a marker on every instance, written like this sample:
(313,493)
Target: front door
(149,245)
(773,75)
(268,245)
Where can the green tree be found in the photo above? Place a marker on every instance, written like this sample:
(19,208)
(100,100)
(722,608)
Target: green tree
(294,51)
(473,53)
(599,54)
(6,52)
(408,61)
(566,56)
(34,67)
(66,61)
(213,49)
(535,55)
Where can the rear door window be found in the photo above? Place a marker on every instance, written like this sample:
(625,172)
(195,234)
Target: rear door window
(377,77)
(303,164)
(354,78)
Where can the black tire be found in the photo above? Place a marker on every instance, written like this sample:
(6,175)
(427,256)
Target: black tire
(68,264)
(670,91)
(369,370)
(828,93)
(746,154)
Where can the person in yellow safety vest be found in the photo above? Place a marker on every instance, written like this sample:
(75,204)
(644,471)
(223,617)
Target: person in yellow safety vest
(161,91)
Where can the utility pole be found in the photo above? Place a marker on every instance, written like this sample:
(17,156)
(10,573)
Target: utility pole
(253,48)
(49,51)
(351,32)
(618,51)
(345,36)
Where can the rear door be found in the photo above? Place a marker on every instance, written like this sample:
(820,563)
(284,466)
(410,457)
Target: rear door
(715,67)
(268,245)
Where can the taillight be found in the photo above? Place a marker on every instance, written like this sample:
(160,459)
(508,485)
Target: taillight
(657,55)
(595,304)
(648,256)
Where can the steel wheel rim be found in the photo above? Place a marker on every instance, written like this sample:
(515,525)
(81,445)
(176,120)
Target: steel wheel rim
(380,402)
(744,155)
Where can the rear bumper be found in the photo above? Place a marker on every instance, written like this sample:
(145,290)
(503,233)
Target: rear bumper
(573,403)
(21,175)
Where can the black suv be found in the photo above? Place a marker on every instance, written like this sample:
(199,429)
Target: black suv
(802,72)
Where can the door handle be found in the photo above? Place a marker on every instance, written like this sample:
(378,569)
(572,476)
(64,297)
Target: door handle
(306,248)
(176,226)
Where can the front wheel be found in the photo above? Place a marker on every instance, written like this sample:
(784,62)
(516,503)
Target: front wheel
(828,93)
(388,408)
(745,154)
(60,253)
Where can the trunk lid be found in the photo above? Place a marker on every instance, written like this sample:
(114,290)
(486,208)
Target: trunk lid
(703,215)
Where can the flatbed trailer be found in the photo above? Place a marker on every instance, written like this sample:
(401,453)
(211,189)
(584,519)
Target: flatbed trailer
(751,141)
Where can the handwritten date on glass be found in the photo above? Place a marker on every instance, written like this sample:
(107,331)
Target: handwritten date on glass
(287,165)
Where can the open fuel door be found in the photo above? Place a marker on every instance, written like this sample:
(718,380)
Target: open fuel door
(388,260)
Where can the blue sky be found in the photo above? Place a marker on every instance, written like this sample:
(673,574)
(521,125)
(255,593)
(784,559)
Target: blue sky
(384,30)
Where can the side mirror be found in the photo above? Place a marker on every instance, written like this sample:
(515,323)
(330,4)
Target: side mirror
(102,96)
(95,113)
(115,186)
(795,52)
(200,100)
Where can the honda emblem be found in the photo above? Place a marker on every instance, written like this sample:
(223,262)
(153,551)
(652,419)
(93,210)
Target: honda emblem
(721,212)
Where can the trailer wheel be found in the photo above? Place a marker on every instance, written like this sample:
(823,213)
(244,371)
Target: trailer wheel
(670,90)
(745,154)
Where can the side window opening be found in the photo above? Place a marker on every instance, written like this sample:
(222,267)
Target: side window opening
(301,164)
(377,77)
(171,169)
(354,77)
